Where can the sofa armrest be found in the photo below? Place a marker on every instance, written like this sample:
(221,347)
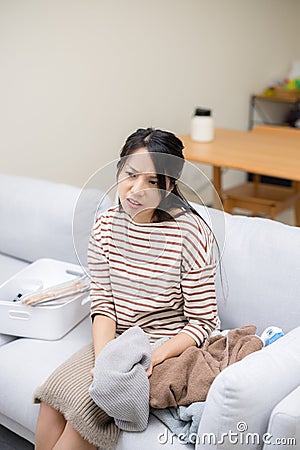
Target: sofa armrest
(284,423)
(243,395)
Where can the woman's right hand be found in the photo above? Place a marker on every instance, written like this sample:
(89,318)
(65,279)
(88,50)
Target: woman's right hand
(92,372)
(149,370)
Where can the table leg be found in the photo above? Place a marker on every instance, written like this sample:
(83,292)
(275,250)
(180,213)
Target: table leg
(217,202)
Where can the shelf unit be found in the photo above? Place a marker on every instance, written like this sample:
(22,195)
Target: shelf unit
(256,106)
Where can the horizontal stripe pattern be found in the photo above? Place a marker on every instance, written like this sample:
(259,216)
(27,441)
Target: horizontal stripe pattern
(159,276)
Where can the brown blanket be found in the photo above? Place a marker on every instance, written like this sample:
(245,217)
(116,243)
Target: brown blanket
(186,379)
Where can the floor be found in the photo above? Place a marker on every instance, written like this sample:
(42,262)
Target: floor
(287,217)
(10,441)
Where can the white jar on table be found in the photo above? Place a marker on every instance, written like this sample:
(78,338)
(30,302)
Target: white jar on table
(202,125)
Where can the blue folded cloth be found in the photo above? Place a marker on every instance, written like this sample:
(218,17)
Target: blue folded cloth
(182,421)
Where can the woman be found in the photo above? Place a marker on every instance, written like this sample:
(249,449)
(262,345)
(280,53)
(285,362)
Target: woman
(151,264)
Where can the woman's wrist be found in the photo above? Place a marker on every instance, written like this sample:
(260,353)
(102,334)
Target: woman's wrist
(172,347)
(157,356)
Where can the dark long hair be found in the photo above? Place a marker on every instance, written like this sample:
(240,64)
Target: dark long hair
(166,152)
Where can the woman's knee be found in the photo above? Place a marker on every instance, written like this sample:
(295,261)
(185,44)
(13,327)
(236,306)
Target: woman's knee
(71,439)
(50,414)
(49,428)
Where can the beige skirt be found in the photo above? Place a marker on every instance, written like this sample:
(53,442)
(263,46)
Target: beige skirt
(67,390)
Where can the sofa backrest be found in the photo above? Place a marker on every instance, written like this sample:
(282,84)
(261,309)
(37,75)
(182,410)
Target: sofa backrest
(37,218)
(260,263)
(260,258)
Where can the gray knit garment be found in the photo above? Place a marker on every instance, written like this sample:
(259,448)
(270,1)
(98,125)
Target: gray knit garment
(121,386)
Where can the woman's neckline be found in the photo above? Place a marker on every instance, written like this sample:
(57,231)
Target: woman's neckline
(179,213)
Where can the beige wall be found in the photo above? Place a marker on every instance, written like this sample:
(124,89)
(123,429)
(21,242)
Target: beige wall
(77,76)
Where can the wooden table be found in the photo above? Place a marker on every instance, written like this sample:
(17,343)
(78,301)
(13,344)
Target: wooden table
(260,153)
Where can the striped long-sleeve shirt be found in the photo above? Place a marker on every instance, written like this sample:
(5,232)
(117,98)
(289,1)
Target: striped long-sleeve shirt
(159,276)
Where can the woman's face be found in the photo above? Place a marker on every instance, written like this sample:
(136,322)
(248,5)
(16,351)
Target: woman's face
(138,188)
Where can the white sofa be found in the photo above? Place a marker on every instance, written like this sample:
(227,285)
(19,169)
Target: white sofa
(260,285)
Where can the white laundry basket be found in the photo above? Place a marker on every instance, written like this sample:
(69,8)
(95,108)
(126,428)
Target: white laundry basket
(48,322)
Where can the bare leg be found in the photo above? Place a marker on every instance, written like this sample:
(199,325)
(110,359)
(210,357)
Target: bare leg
(71,440)
(50,426)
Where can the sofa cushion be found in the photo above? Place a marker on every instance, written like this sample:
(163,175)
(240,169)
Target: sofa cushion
(284,423)
(244,394)
(26,363)
(37,217)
